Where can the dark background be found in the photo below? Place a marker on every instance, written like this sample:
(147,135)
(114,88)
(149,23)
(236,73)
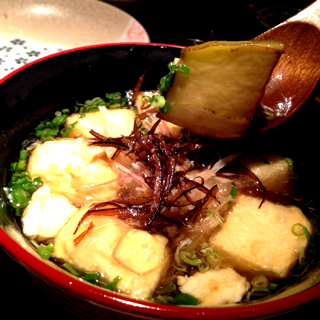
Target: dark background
(174,22)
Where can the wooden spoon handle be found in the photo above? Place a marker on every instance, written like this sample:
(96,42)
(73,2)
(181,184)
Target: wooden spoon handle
(298,69)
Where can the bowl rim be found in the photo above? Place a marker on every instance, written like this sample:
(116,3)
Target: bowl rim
(63,52)
(118,302)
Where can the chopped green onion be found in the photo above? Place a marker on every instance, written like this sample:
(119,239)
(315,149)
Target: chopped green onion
(186,257)
(45,252)
(25,141)
(203,266)
(38,181)
(91,277)
(272,287)
(60,120)
(71,270)
(305,232)
(171,287)
(158,101)
(164,299)
(47,131)
(260,281)
(65,131)
(82,115)
(19,198)
(204,245)
(214,258)
(165,82)
(259,290)
(115,95)
(65,110)
(185,299)
(194,256)
(88,109)
(289,165)
(135,110)
(178,68)
(13,166)
(112,285)
(233,192)
(21,165)
(165,108)
(182,268)
(50,247)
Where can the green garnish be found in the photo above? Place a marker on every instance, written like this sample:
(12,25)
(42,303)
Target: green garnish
(60,120)
(289,165)
(111,101)
(260,281)
(165,299)
(166,81)
(260,290)
(171,287)
(194,256)
(185,299)
(45,252)
(186,257)
(82,115)
(91,277)
(20,188)
(65,131)
(182,268)
(49,130)
(158,101)
(135,110)
(233,192)
(71,270)
(112,285)
(203,266)
(272,287)
(178,68)
(214,259)
(6,213)
(21,165)
(304,230)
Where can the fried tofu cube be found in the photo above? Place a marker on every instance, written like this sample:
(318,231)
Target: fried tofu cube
(273,171)
(113,249)
(260,240)
(46,214)
(74,169)
(215,287)
(110,123)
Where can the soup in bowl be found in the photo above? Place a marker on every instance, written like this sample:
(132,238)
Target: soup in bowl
(118,213)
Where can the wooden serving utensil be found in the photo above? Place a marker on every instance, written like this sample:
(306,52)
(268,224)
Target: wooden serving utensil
(298,69)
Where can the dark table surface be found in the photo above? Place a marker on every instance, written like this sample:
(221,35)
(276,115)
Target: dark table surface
(174,22)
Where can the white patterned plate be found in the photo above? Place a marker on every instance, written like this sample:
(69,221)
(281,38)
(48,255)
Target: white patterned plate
(30,29)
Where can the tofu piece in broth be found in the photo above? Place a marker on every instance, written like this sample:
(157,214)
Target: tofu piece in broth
(46,214)
(72,168)
(260,240)
(215,287)
(112,249)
